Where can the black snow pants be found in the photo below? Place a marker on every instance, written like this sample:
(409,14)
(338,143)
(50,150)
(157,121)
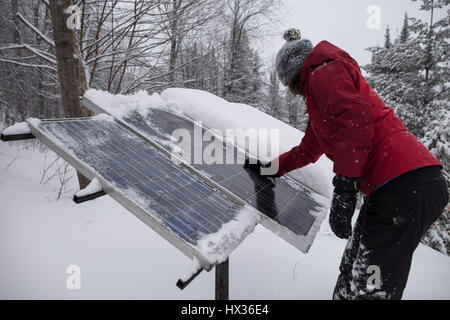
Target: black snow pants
(391,223)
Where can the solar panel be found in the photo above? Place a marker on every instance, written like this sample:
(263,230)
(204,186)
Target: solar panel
(289,209)
(179,206)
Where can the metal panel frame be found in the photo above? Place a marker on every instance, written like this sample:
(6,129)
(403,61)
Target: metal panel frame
(303,243)
(114,193)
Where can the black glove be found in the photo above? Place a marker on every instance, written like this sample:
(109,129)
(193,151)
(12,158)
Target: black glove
(256,168)
(343,205)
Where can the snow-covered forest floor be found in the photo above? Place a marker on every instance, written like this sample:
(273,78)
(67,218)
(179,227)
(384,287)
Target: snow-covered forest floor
(121,258)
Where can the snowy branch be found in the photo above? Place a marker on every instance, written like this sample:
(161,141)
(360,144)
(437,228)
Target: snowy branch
(28,65)
(35,30)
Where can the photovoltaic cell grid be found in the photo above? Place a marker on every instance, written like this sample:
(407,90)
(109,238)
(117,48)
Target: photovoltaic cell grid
(288,205)
(183,204)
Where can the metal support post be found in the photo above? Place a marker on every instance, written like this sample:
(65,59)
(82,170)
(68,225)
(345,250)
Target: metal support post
(222,280)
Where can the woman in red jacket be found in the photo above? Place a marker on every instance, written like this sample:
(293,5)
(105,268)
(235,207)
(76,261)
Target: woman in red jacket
(372,152)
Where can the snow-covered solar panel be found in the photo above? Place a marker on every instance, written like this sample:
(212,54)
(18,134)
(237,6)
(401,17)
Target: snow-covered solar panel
(288,209)
(182,208)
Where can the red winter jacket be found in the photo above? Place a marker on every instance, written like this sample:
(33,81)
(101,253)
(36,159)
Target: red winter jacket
(351,124)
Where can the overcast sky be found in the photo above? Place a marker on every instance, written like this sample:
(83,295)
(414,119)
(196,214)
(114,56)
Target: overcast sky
(343,23)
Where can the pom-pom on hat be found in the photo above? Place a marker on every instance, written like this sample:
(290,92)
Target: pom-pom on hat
(292,56)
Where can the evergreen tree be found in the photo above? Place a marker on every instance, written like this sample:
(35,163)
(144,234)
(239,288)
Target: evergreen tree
(437,139)
(238,77)
(296,111)
(256,94)
(201,69)
(412,76)
(274,99)
(190,72)
(394,73)
(213,72)
(387,38)
(244,82)
(404,35)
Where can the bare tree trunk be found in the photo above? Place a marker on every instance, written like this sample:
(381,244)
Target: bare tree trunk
(174,41)
(80,74)
(20,106)
(69,69)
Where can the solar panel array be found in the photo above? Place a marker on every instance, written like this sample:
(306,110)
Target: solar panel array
(181,203)
(287,203)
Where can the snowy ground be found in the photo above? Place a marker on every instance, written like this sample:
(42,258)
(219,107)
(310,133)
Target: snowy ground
(121,258)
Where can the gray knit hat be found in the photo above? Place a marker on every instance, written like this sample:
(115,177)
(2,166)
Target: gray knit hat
(292,56)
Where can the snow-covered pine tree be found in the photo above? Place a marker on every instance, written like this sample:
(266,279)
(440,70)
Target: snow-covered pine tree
(296,111)
(256,95)
(437,139)
(238,76)
(404,35)
(412,76)
(274,104)
(387,38)
(213,72)
(434,39)
(395,73)
(244,81)
(193,71)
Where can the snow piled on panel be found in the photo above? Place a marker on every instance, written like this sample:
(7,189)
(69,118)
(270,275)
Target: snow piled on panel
(122,105)
(217,113)
(102,117)
(18,128)
(216,247)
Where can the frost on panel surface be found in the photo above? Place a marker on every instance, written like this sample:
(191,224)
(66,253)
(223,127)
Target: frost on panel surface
(294,212)
(171,197)
(286,202)
(215,113)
